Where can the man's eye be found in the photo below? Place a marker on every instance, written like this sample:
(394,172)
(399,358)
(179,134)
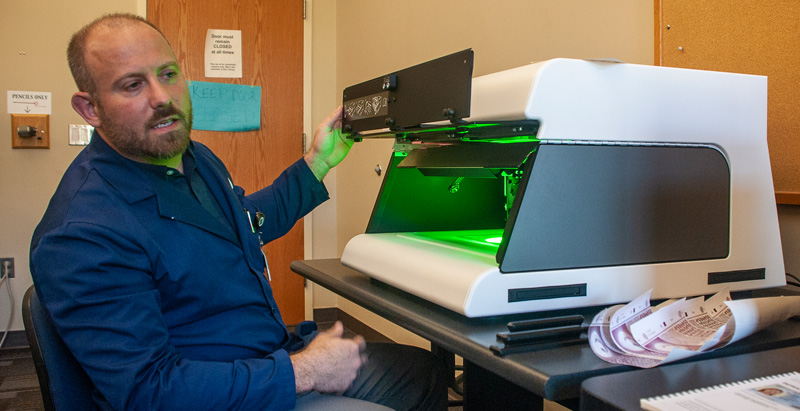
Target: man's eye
(133,85)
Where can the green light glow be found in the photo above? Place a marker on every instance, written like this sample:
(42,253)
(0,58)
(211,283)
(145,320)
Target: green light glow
(477,240)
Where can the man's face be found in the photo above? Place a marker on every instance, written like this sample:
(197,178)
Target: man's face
(142,100)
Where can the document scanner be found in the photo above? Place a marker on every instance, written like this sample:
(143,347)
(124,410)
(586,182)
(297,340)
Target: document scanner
(566,183)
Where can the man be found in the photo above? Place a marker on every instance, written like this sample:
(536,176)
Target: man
(149,262)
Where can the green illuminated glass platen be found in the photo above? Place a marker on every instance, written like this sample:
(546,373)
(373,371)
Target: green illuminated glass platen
(483,241)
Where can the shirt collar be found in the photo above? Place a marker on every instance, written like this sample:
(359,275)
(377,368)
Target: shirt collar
(165,173)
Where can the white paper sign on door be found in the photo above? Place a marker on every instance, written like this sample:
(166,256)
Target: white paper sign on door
(224,53)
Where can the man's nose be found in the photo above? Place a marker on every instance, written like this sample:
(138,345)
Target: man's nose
(159,95)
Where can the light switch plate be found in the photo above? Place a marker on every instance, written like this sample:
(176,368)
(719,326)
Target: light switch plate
(80,134)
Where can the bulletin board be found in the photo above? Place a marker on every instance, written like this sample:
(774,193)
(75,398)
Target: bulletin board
(751,37)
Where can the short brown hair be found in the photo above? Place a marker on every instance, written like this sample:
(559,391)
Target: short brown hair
(76,51)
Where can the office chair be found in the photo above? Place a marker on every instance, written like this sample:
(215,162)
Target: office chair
(64,384)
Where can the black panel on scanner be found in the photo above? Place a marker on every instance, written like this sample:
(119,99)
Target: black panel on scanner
(432,91)
(608,205)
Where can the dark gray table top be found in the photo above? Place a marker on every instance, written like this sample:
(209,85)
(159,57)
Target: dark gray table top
(553,372)
(623,391)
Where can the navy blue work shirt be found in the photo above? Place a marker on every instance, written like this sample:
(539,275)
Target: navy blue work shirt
(164,305)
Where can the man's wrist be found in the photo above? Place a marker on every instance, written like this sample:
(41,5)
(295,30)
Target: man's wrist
(318,167)
(303,379)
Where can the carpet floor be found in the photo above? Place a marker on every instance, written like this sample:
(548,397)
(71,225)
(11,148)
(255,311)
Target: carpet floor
(19,387)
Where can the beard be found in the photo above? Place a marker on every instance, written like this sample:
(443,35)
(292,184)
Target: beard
(140,143)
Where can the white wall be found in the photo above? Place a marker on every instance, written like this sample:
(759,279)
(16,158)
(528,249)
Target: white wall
(35,34)
(324,98)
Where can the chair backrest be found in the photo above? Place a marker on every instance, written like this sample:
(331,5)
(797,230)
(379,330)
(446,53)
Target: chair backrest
(64,384)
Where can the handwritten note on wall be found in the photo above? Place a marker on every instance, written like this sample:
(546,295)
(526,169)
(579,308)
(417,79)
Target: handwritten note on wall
(225,107)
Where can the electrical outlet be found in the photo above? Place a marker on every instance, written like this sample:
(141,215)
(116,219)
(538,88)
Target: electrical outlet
(7,267)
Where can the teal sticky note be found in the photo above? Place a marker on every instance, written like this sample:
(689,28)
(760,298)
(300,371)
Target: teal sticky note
(225,107)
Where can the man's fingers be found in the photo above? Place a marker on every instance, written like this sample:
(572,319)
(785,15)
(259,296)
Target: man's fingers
(336,330)
(362,344)
(333,118)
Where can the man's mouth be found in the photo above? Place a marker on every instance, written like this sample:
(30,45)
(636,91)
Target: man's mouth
(164,123)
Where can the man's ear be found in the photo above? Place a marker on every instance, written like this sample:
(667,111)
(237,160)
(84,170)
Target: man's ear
(84,105)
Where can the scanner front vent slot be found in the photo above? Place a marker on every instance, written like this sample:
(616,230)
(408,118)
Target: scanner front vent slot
(546,293)
(737,275)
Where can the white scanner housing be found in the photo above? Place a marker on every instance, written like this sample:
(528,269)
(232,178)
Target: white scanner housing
(644,177)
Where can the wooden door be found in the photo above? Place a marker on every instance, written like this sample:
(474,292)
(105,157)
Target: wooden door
(272,58)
